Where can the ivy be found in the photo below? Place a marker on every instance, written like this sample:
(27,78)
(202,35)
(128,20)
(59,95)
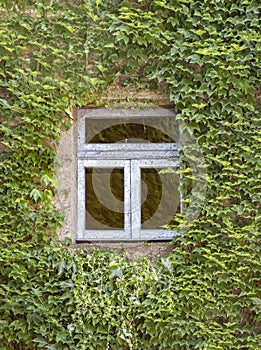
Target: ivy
(59,55)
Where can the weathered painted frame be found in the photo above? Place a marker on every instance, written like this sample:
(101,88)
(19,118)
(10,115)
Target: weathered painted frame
(95,235)
(131,157)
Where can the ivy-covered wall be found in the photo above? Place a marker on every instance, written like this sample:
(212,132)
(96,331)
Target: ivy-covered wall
(59,55)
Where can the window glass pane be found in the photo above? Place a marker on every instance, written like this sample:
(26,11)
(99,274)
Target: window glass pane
(159,197)
(104,198)
(131,130)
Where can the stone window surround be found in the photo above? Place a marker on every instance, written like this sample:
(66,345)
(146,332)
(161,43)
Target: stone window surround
(67,178)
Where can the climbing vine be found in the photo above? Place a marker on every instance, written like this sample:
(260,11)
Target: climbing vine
(60,55)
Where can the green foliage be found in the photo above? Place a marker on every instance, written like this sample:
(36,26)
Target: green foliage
(56,55)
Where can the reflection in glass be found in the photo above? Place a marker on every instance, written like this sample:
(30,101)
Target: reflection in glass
(131,130)
(104,198)
(159,197)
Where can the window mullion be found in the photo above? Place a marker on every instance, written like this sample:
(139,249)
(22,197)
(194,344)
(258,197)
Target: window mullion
(135,199)
(127,198)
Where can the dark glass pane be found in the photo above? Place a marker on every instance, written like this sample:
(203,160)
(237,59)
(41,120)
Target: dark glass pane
(159,197)
(104,198)
(131,130)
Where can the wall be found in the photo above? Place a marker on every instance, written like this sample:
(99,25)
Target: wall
(67,182)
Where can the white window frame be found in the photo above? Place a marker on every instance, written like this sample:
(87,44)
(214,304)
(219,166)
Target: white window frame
(137,232)
(95,235)
(131,157)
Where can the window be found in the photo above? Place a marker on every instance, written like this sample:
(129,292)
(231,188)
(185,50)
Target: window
(127,174)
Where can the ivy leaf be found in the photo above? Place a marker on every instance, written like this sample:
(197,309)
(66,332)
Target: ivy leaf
(36,195)
(116,273)
(4,103)
(41,341)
